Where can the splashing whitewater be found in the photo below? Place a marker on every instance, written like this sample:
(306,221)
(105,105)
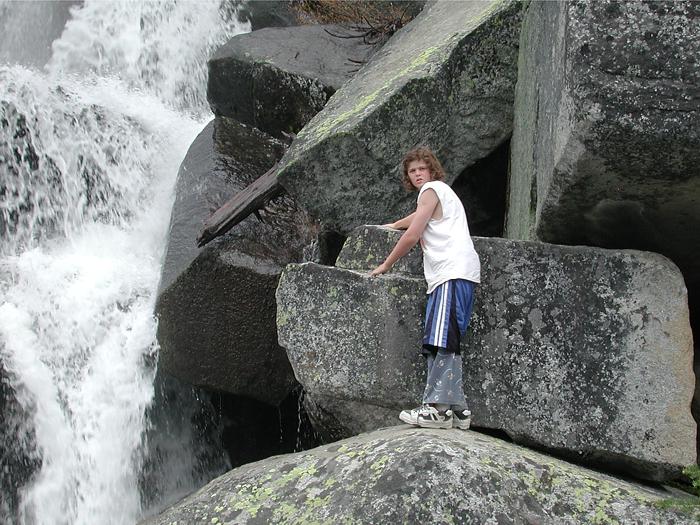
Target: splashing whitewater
(89,150)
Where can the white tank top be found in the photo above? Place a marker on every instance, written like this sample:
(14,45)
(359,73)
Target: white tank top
(448,250)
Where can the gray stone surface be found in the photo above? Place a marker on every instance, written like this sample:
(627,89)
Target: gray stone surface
(583,351)
(276,79)
(334,419)
(606,140)
(446,80)
(266,13)
(216,305)
(407,475)
(19,458)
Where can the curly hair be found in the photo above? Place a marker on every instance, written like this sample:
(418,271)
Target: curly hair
(426,155)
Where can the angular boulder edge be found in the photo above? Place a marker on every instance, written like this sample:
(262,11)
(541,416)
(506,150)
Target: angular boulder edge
(457,63)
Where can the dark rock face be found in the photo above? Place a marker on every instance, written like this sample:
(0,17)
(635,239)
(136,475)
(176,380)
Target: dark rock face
(223,159)
(335,419)
(570,348)
(606,141)
(277,79)
(406,475)
(446,80)
(266,13)
(216,306)
(216,328)
(19,459)
(212,432)
(482,189)
(253,430)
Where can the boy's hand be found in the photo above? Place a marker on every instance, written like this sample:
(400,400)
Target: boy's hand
(382,268)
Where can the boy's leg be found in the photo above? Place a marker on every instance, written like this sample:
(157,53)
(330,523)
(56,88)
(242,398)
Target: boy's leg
(433,412)
(447,318)
(465,305)
(441,375)
(461,415)
(444,382)
(411,416)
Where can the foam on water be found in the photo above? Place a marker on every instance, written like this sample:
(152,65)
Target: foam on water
(76,317)
(159,46)
(89,151)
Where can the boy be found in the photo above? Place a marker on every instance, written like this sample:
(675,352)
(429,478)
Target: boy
(452,268)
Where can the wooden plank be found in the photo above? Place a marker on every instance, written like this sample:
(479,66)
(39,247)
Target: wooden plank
(247,201)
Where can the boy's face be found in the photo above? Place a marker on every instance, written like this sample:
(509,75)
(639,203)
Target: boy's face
(419,173)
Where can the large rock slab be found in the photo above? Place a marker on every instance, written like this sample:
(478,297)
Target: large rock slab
(276,79)
(606,141)
(584,351)
(445,80)
(406,475)
(216,306)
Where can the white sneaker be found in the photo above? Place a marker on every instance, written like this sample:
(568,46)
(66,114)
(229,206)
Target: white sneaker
(461,419)
(431,417)
(411,416)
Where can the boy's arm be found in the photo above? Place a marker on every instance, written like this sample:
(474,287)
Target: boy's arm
(427,203)
(402,224)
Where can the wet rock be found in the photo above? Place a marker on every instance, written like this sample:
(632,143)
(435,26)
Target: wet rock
(445,80)
(606,145)
(277,79)
(335,418)
(570,348)
(406,475)
(19,458)
(216,305)
(266,13)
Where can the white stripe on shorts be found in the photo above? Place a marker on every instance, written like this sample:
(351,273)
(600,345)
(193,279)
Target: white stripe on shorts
(440,328)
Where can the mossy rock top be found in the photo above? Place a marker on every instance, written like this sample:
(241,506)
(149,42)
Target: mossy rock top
(407,475)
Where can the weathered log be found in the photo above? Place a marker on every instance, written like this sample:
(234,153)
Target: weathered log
(245,202)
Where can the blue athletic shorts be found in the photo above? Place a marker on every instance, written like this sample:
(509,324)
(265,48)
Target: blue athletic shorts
(447,315)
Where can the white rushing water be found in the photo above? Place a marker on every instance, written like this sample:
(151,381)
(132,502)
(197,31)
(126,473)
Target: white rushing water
(89,150)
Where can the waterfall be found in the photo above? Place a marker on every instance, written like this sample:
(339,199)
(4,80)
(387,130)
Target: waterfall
(89,149)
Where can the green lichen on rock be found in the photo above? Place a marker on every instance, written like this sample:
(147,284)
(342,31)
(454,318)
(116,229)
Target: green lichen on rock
(354,342)
(410,93)
(389,476)
(687,505)
(364,251)
(282,317)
